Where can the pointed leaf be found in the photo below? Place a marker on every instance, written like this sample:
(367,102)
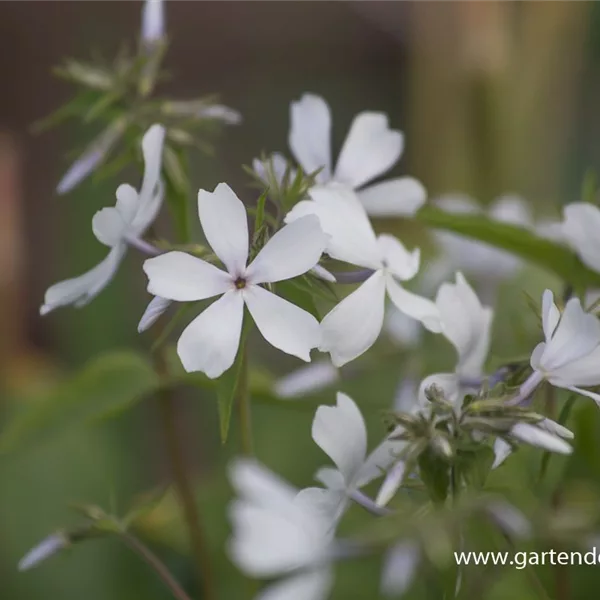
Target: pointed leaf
(517,240)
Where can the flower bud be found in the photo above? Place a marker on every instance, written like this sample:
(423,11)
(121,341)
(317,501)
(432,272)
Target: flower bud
(153,22)
(45,549)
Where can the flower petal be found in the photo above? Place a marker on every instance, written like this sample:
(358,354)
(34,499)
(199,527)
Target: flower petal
(379,461)
(576,335)
(210,342)
(580,228)
(593,395)
(81,290)
(307,380)
(352,326)
(225,225)
(308,585)
(400,197)
(341,433)
(399,569)
(502,450)
(153,21)
(292,251)
(283,324)
(391,484)
(127,202)
(152,149)
(530,434)
(182,277)
(108,226)
(310,133)
(151,191)
(413,305)
(255,483)
(153,312)
(370,149)
(550,314)
(466,324)
(343,218)
(398,260)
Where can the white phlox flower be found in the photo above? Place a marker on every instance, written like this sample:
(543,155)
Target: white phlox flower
(352,327)
(569,357)
(580,229)
(341,433)
(371,148)
(210,342)
(277,533)
(116,227)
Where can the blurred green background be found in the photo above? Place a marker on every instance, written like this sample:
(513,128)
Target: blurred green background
(494,97)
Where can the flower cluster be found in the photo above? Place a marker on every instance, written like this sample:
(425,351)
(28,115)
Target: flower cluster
(311,230)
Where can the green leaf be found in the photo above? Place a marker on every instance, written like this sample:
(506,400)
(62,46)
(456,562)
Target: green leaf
(260,211)
(227,387)
(107,384)
(521,242)
(435,475)
(296,292)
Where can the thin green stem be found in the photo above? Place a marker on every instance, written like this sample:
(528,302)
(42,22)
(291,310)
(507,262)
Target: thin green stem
(245,405)
(184,490)
(159,567)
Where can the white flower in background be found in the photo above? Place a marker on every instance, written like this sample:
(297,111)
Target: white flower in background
(277,533)
(45,549)
(220,112)
(279,166)
(116,227)
(210,342)
(153,22)
(402,329)
(477,259)
(371,148)
(352,327)
(570,355)
(92,157)
(306,380)
(341,433)
(580,228)
(400,567)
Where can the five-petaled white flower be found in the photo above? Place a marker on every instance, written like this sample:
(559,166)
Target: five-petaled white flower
(210,342)
(371,148)
(341,433)
(570,355)
(352,327)
(116,227)
(580,229)
(279,533)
